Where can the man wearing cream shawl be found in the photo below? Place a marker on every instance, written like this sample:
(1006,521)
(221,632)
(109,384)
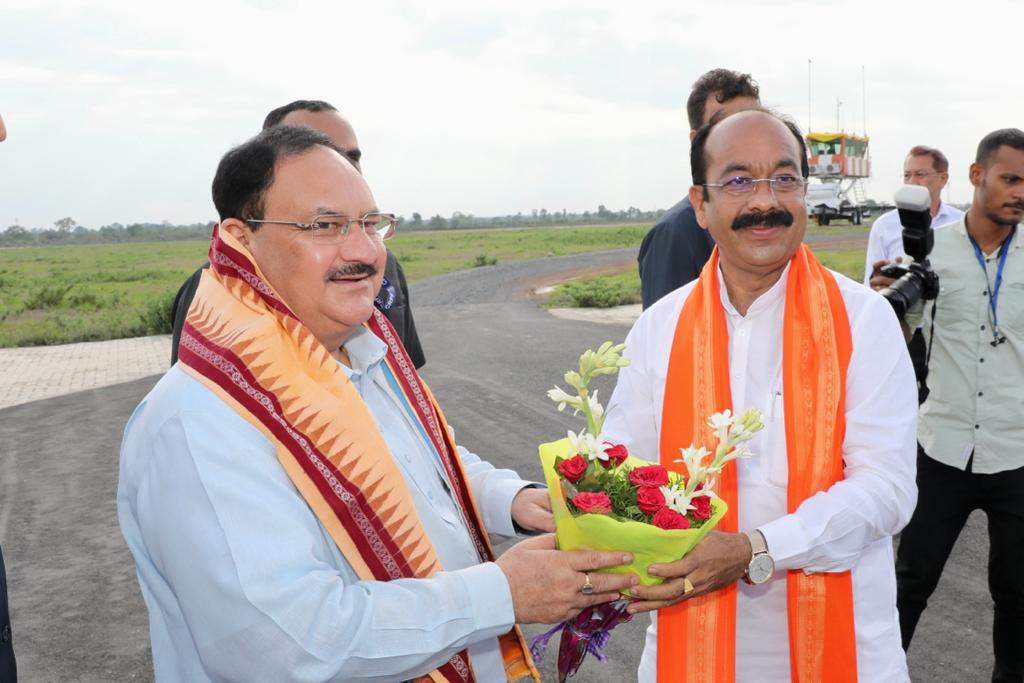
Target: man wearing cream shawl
(812,513)
(290,490)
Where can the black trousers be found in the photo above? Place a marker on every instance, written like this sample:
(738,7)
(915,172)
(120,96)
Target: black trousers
(946,497)
(8,670)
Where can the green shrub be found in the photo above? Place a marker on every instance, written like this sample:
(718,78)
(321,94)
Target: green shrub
(86,300)
(47,297)
(597,292)
(484,260)
(157,316)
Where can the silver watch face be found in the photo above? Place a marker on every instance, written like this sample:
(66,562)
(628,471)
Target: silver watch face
(761,568)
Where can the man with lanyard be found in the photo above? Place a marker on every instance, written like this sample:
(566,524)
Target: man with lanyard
(291,493)
(796,583)
(929,168)
(393,297)
(969,455)
(673,252)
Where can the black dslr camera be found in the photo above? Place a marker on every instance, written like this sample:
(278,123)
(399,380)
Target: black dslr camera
(915,279)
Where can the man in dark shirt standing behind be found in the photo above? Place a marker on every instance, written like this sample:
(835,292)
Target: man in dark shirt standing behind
(393,298)
(676,248)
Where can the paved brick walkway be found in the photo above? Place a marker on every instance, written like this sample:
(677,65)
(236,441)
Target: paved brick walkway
(37,372)
(32,373)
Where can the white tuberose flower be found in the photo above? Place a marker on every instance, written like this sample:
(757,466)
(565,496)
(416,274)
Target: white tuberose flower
(677,499)
(721,423)
(561,398)
(692,458)
(596,409)
(589,446)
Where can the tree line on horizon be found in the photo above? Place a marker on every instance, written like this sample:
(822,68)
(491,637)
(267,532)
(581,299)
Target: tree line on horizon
(67,231)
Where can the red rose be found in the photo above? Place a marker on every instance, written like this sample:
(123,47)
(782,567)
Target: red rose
(667,518)
(593,502)
(617,454)
(703,505)
(573,468)
(650,499)
(650,475)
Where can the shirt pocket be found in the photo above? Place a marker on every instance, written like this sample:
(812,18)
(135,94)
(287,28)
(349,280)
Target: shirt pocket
(956,306)
(1010,306)
(772,451)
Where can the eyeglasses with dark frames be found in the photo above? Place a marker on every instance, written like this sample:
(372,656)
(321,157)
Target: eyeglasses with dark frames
(334,228)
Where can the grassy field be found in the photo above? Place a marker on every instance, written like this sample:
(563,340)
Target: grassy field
(56,295)
(624,288)
(425,254)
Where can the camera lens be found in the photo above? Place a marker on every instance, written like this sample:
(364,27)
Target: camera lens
(904,293)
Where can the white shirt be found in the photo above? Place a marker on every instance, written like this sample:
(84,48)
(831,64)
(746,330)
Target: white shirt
(241,580)
(850,526)
(885,241)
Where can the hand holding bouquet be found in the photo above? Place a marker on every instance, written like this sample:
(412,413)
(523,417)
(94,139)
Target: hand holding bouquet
(604,499)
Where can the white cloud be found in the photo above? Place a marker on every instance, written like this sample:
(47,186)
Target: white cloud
(118,111)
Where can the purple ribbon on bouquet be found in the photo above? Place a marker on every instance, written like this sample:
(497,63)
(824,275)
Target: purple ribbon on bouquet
(587,633)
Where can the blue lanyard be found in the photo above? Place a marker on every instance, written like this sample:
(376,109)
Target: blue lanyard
(993,299)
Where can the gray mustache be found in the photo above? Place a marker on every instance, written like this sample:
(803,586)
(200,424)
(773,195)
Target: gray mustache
(367,269)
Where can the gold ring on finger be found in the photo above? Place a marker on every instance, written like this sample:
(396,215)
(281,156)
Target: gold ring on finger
(587,588)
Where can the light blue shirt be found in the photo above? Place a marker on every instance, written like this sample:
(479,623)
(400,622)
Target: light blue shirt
(242,581)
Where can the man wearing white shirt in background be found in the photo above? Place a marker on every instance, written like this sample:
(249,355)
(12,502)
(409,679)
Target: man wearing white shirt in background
(821,596)
(929,168)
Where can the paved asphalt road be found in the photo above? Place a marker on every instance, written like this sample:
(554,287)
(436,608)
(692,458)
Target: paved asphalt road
(76,608)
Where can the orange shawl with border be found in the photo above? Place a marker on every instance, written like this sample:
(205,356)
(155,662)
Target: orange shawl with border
(697,638)
(244,343)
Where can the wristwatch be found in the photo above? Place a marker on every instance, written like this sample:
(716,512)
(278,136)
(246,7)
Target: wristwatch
(761,566)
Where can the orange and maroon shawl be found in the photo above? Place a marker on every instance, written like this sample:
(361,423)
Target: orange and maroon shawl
(242,341)
(697,638)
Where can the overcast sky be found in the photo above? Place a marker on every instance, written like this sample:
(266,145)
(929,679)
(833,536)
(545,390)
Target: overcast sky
(119,111)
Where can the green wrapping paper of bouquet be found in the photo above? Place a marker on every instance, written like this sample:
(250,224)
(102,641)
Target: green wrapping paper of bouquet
(649,544)
(603,499)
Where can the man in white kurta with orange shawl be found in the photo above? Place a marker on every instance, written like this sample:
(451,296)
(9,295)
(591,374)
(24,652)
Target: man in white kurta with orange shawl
(812,514)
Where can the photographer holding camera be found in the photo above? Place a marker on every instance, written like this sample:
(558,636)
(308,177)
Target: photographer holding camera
(970,430)
(925,167)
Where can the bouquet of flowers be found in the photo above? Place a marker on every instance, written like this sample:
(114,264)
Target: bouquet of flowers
(604,499)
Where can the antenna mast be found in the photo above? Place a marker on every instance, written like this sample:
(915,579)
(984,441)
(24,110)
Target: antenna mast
(864,98)
(808,95)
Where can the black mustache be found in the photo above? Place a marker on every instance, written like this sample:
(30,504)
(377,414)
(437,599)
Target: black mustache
(769,219)
(367,269)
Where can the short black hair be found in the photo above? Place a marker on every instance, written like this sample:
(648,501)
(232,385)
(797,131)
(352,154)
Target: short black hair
(275,117)
(725,85)
(698,157)
(246,172)
(990,144)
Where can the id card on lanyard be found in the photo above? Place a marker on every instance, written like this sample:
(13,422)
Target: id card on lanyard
(993,292)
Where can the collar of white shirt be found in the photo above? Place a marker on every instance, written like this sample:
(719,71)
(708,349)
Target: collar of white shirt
(762,303)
